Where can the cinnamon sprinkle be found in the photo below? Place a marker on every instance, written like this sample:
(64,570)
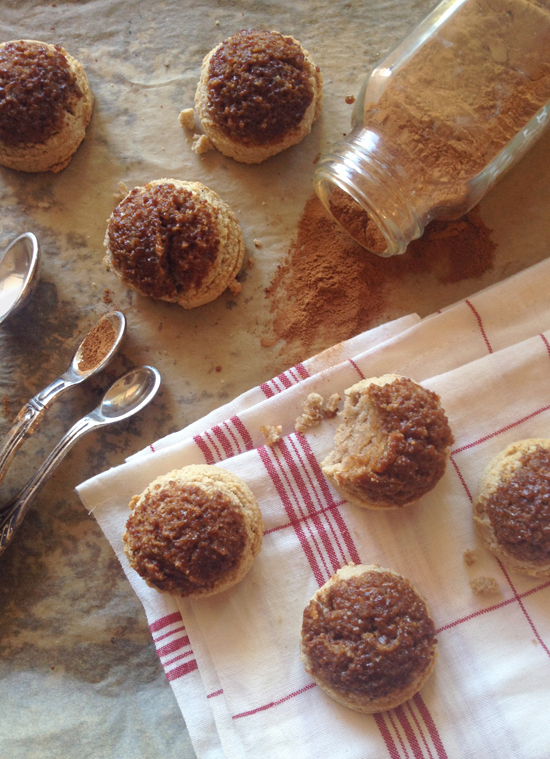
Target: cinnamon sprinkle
(97,344)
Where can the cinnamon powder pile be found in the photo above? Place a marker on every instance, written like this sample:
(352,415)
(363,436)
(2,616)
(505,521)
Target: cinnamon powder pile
(97,344)
(329,288)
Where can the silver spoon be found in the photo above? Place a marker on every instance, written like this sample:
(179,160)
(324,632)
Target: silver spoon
(31,413)
(128,395)
(19,273)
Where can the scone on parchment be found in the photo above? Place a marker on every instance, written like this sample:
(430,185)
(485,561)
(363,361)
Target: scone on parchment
(368,639)
(175,241)
(259,92)
(194,531)
(45,106)
(512,507)
(392,446)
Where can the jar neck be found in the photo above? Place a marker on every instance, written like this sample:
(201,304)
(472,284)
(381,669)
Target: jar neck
(360,189)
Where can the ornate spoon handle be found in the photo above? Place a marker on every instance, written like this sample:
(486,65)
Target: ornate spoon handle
(27,421)
(14,512)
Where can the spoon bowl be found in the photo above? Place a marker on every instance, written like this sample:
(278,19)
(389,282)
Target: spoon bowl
(129,394)
(75,372)
(19,274)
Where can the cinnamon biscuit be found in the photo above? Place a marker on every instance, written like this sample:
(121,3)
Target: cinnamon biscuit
(512,507)
(45,106)
(368,639)
(392,446)
(175,241)
(194,531)
(259,92)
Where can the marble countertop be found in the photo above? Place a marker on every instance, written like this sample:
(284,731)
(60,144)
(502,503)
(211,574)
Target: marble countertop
(79,676)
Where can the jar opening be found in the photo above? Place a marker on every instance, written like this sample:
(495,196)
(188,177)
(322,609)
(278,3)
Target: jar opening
(355,216)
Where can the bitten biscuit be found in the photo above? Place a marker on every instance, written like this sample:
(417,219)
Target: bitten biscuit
(392,446)
(512,507)
(175,241)
(368,639)
(194,531)
(259,93)
(45,106)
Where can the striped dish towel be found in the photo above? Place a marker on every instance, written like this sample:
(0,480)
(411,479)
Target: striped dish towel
(233,659)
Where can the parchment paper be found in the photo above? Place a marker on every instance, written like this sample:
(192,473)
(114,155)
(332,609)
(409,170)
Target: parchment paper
(78,673)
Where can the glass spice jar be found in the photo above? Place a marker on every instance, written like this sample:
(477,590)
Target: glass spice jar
(457,103)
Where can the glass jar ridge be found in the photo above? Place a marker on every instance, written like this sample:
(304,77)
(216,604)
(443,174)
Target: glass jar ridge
(439,121)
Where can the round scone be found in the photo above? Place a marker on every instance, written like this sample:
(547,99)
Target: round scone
(368,639)
(259,93)
(175,241)
(45,106)
(392,446)
(194,531)
(512,507)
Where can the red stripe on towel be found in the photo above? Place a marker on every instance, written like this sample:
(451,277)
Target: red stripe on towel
(183,669)
(174,645)
(386,735)
(274,703)
(165,621)
(480,324)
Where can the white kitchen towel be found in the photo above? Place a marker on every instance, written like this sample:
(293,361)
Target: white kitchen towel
(233,660)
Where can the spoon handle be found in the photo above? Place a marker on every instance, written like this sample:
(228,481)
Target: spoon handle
(14,511)
(27,421)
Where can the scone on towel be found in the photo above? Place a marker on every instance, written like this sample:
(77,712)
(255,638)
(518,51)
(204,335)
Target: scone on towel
(368,639)
(175,241)
(45,106)
(194,531)
(392,446)
(512,506)
(259,92)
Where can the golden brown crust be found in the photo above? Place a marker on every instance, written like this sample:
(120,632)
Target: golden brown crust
(51,111)
(259,93)
(368,639)
(175,241)
(392,446)
(194,531)
(512,507)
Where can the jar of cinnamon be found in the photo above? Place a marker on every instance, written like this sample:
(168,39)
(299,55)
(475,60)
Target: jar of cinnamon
(456,104)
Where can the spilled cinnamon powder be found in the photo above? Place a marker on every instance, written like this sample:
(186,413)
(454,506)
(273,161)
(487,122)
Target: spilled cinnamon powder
(329,288)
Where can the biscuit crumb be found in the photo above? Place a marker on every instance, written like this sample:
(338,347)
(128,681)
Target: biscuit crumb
(312,414)
(235,287)
(121,192)
(330,406)
(272,433)
(250,263)
(257,243)
(217,22)
(187,118)
(469,557)
(484,585)
(201,144)
(316,409)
